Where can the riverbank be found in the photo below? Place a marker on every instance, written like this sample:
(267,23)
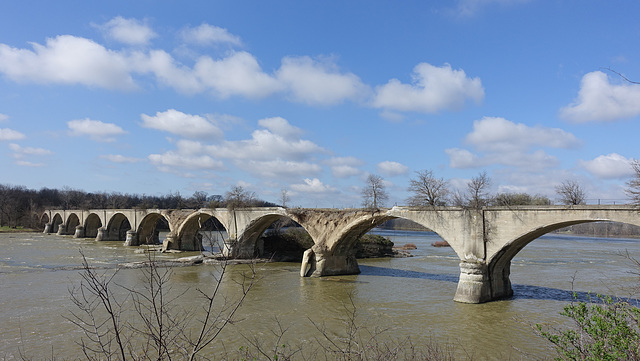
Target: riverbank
(19,229)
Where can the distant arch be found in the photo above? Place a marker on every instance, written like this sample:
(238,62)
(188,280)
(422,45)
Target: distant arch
(150,227)
(199,230)
(91,225)
(117,228)
(72,222)
(56,222)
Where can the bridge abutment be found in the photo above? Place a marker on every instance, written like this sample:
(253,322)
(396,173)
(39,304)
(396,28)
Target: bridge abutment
(318,262)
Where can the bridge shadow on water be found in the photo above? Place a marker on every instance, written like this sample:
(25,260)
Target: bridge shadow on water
(519,291)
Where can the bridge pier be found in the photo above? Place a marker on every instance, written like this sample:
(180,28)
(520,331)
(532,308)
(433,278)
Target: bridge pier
(61,229)
(101,234)
(474,285)
(47,228)
(79,232)
(318,262)
(132,238)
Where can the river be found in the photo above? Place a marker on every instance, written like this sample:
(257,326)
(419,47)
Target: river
(405,296)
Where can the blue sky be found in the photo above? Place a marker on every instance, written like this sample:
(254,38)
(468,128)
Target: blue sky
(153,97)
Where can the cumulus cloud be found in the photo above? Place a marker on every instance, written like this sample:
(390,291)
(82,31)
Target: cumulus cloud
(313,82)
(275,142)
(609,166)
(433,89)
(10,134)
(598,100)
(501,135)
(462,158)
(279,168)
(21,152)
(313,186)
(171,160)
(95,129)
(392,169)
(185,125)
(128,31)
(3,117)
(206,34)
(117,158)
(512,144)
(344,167)
(67,59)
(237,74)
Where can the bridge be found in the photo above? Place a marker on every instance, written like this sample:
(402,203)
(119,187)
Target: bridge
(485,240)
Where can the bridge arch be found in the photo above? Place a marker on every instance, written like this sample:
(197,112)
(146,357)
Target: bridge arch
(150,227)
(191,238)
(72,222)
(91,225)
(44,221)
(56,222)
(117,228)
(504,245)
(250,243)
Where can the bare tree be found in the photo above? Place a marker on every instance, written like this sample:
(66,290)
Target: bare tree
(284,197)
(477,193)
(428,190)
(571,193)
(633,185)
(239,197)
(374,193)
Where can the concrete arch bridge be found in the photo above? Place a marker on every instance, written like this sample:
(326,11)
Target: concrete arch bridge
(485,240)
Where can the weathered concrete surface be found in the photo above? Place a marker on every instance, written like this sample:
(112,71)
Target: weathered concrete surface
(485,240)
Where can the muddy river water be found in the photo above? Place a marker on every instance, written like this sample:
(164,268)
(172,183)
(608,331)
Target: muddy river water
(409,297)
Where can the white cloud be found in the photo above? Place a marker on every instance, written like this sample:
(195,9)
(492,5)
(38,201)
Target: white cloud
(117,158)
(314,82)
(206,34)
(392,169)
(10,134)
(128,31)
(279,168)
(170,161)
(344,167)
(267,145)
(3,117)
(67,59)
(462,158)
(24,163)
(95,129)
(345,171)
(280,126)
(24,151)
(237,74)
(501,135)
(609,166)
(468,8)
(167,71)
(599,100)
(433,89)
(186,125)
(511,144)
(313,186)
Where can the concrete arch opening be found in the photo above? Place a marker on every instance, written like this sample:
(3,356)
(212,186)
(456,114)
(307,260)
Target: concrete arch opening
(117,228)
(499,264)
(91,225)
(202,231)
(43,221)
(56,222)
(276,237)
(72,222)
(153,229)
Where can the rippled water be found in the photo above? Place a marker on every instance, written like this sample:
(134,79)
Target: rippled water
(408,296)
